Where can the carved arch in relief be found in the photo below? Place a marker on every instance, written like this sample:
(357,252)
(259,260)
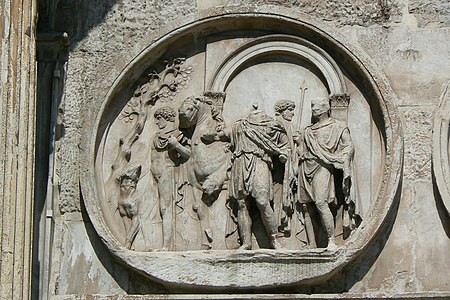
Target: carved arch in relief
(230,269)
(280,45)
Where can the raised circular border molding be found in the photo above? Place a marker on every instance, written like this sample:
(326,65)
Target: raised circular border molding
(441,163)
(239,270)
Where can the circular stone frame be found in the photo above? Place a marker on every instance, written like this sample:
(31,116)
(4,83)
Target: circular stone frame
(441,149)
(243,270)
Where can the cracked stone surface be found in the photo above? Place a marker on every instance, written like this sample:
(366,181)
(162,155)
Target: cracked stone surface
(107,34)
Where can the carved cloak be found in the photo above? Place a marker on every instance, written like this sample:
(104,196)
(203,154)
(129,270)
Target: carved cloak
(253,140)
(328,145)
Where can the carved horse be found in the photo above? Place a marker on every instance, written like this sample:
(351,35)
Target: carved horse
(209,160)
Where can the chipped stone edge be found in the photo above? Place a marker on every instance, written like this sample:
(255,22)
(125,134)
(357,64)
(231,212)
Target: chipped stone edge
(386,99)
(378,295)
(440,154)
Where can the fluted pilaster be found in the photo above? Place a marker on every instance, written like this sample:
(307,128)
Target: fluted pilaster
(17,140)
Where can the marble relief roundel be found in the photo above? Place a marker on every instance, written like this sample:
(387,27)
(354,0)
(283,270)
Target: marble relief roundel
(224,157)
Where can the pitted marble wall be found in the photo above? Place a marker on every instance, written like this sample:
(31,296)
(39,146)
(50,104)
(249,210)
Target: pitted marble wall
(17,140)
(409,40)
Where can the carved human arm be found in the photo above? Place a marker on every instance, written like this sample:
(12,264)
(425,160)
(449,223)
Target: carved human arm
(222,135)
(297,137)
(300,142)
(281,137)
(347,151)
(283,158)
(175,144)
(286,149)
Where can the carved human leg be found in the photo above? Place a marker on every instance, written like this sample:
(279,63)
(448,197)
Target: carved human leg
(166,192)
(309,226)
(261,191)
(244,225)
(268,218)
(327,220)
(320,189)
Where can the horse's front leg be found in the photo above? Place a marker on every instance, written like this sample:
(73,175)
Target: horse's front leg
(213,184)
(202,211)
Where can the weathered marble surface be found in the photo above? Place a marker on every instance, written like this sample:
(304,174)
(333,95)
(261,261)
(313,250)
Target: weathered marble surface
(17,145)
(407,260)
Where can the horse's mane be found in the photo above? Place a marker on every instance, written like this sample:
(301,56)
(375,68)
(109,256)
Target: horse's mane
(216,112)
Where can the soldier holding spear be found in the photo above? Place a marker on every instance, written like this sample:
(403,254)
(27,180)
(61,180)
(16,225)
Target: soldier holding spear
(284,113)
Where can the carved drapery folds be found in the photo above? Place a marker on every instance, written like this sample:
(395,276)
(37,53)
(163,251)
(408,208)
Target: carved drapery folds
(250,143)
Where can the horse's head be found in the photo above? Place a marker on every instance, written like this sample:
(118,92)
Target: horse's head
(188,112)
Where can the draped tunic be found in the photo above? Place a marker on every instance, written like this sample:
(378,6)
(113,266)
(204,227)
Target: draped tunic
(328,147)
(253,141)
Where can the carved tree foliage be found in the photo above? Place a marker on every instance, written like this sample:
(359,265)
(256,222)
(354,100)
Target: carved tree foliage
(162,87)
(158,86)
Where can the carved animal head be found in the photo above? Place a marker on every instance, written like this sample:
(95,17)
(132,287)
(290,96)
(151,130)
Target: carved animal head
(188,112)
(129,180)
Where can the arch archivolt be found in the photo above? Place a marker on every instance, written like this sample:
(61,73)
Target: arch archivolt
(280,45)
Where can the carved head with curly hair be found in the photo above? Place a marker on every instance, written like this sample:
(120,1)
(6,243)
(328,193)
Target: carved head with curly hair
(284,108)
(163,115)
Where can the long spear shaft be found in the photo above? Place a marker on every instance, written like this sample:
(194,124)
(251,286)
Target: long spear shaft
(303,89)
(289,170)
(306,217)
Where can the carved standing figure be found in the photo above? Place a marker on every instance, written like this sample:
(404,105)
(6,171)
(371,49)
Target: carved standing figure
(153,87)
(328,151)
(254,142)
(209,160)
(128,205)
(286,181)
(168,152)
